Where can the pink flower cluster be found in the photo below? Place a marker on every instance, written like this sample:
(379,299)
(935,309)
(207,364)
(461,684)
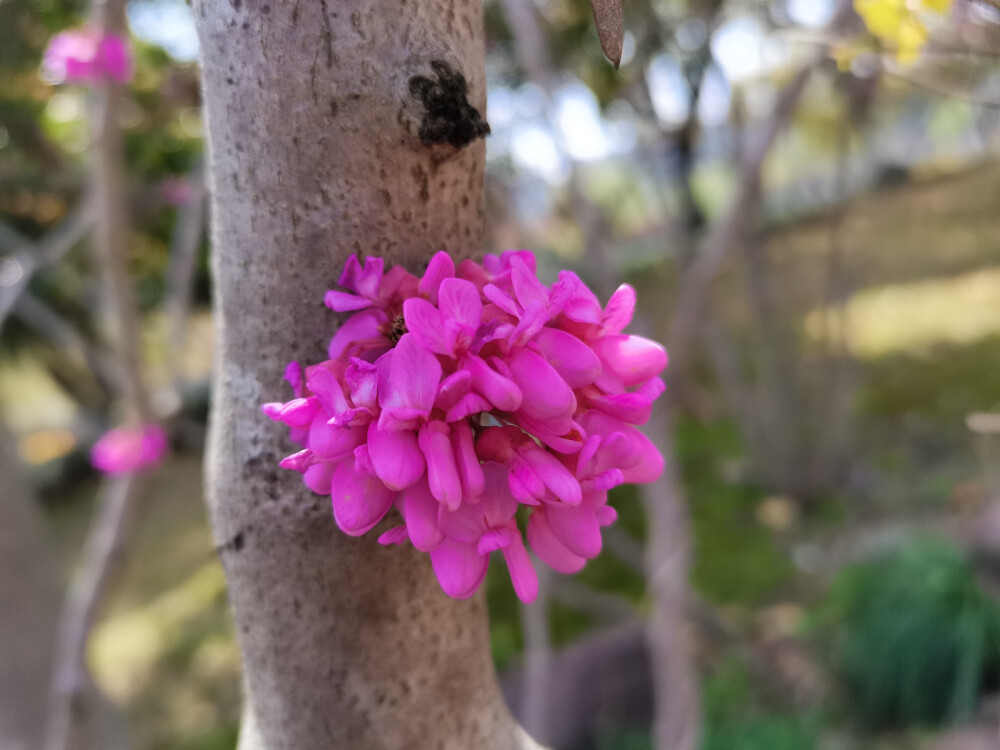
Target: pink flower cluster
(124,450)
(87,56)
(463,396)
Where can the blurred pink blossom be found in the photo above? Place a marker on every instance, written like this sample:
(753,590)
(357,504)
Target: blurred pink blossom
(87,56)
(125,450)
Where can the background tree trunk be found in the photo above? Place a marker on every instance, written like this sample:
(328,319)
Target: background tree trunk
(318,149)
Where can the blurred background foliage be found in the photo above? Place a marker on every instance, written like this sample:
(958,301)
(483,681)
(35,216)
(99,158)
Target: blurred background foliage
(845,528)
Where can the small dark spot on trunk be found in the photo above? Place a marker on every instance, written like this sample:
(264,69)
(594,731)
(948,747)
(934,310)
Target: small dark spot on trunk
(238,542)
(266,9)
(448,116)
(237,4)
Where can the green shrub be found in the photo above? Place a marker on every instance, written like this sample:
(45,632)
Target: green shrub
(912,635)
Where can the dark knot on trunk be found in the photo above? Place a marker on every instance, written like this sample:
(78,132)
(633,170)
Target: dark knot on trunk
(448,116)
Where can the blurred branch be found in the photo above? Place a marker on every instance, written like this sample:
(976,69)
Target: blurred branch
(600,605)
(62,334)
(630,551)
(180,274)
(724,233)
(534,710)
(19,266)
(68,726)
(116,510)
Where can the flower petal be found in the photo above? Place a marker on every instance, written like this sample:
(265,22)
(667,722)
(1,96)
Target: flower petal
(545,394)
(522,570)
(442,473)
(619,310)
(552,552)
(345,302)
(577,528)
(459,568)
(420,510)
(501,391)
(425,324)
(633,359)
(469,469)
(395,456)
(414,375)
(575,362)
(359,500)
(440,268)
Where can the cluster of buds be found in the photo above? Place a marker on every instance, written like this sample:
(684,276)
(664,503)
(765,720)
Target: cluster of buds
(466,395)
(87,56)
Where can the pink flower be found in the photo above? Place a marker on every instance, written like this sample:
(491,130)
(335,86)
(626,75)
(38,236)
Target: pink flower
(467,396)
(125,450)
(472,532)
(87,56)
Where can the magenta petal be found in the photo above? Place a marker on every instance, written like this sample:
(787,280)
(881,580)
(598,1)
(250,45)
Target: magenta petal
(442,474)
(317,477)
(469,404)
(344,302)
(619,310)
(452,389)
(522,570)
(527,288)
(459,301)
(459,568)
(502,392)
(628,407)
(555,476)
(395,456)
(420,509)
(414,375)
(650,464)
(395,535)
(582,305)
(328,390)
(424,323)
(545,393)
(575,362)
(525,478)
(359,327)
(494,539)
(440,268)
(577,528)
(552,552)
(333,443)
(633,359)
(359,500)
(501,299)
(606,515)
(497,506)
(298,461)
(365,281)
(469,469)
(362,380)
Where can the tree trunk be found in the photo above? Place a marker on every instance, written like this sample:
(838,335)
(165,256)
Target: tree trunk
(319,148)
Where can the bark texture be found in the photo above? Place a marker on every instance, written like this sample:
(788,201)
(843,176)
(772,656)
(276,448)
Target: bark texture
(335,128)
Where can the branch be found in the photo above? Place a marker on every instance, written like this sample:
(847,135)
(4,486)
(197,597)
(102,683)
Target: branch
(112,528)
(27,258)
(180,275)
(724,234)
(600,605)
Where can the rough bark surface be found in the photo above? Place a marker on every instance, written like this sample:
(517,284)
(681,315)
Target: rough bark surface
(327,137)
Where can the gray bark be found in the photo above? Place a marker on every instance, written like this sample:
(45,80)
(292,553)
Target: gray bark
(318,149)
